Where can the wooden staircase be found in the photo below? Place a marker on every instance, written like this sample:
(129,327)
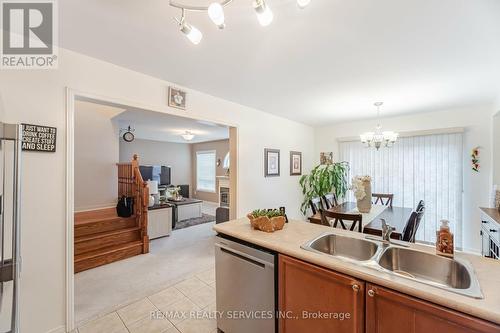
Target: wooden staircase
(102,237)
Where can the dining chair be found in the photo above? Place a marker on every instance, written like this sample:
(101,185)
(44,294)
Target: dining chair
(330,200)
(347,221)
(380,199)
(411,227)
(315,204)
(420,205)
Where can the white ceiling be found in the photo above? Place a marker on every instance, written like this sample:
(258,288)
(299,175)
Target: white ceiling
(157,126)
(326,63)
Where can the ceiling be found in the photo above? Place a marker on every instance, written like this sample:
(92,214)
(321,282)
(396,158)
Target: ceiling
(157,126)
(327,63)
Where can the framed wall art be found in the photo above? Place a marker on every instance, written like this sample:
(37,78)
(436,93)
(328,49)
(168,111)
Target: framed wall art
(176,98)
(295,163)
(271,162)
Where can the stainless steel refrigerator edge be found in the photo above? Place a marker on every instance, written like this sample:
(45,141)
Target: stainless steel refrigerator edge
(10,199)
(245,288)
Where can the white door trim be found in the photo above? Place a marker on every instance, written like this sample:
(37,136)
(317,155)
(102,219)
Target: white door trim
(71,95)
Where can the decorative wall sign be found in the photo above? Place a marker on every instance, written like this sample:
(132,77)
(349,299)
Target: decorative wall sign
(271,162)
(176,98)
(475,159)
(39,138)
(295,163)
(326,158)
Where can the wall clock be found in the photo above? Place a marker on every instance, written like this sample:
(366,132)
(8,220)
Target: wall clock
(128,136)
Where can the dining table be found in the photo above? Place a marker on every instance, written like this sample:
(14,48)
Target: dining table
(396,217)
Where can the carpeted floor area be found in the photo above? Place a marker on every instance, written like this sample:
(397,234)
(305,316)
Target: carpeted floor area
(205,218)
(171,259)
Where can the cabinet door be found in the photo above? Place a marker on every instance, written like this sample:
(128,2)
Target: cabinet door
(388,311)
(314,299)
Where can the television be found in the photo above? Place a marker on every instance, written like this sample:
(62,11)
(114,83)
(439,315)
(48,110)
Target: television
(165,175)
(160,173)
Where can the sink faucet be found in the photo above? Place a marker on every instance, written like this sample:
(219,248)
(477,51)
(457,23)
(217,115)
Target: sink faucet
(386,231)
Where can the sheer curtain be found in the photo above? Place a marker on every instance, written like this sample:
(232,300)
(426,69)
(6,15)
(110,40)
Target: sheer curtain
(417,168)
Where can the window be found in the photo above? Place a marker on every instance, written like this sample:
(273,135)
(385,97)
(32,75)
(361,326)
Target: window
(426,167)
(205,171)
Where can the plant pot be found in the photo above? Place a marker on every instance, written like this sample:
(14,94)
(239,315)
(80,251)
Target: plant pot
(267,224)
(365,204)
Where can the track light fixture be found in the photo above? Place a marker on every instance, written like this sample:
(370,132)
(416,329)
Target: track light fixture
(191,32)
(264,13)
(215,12)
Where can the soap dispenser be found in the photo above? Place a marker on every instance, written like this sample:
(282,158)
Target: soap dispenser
(444,240)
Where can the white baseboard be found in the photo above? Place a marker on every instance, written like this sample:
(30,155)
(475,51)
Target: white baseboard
(96,207)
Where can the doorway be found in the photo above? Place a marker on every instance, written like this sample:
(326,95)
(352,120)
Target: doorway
(127,280)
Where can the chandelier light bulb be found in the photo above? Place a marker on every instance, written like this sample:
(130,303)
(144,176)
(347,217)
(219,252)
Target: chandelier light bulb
(264,13)
(303,3)
(216,14)
(192,33)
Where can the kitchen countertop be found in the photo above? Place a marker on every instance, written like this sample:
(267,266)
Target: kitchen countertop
(493,213)
(296,233)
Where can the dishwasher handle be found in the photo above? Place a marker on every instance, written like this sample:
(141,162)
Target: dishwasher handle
(244,256)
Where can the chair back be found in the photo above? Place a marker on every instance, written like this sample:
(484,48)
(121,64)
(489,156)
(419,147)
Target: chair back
(315,204)
(383,198)
(330,200)
(420,205)
(340,218)
(411,227)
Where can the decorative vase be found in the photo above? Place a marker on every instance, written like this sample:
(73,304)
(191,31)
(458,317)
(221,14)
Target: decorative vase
(365,204)
(151,202)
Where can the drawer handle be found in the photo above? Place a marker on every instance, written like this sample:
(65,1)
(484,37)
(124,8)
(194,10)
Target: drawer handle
(484,222)
(493,230)
(371,293)
(355,287)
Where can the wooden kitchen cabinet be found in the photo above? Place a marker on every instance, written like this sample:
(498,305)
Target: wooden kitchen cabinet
(388,311)
(306,291)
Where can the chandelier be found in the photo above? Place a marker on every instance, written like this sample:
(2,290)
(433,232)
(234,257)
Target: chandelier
(378,138)
(215,12)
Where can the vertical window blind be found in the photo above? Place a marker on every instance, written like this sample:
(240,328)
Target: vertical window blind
(417,168)
(205,171)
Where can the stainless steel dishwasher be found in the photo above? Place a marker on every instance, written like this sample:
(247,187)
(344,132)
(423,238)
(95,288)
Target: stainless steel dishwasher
(245,287)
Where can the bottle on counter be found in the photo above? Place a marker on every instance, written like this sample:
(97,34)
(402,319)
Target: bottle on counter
(444,240)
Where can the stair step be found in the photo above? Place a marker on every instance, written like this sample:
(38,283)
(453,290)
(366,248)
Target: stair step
(93,226)
(92,242)
(96,214)
(106,255)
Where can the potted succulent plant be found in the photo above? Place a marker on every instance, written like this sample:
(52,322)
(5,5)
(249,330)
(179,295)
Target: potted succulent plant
(267,220)
(324,179)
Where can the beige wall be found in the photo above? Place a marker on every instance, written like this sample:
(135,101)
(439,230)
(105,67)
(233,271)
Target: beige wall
(222,148)
(39,97)
(175,155)
(96,155)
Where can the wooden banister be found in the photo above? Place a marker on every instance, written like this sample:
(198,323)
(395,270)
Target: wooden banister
(131,184)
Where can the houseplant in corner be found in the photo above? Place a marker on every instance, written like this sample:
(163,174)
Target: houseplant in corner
(324,179)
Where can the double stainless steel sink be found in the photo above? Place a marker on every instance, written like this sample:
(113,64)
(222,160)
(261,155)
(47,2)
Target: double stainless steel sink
(455,275)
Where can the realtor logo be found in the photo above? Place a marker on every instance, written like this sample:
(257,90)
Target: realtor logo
(28,34)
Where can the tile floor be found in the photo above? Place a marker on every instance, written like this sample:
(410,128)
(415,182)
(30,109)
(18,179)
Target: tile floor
(182,308)
(171,259)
